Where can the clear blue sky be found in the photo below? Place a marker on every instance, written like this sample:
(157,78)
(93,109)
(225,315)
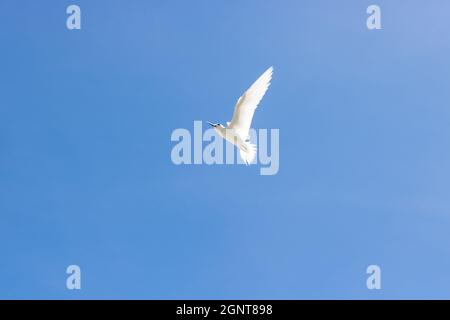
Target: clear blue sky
(85,170)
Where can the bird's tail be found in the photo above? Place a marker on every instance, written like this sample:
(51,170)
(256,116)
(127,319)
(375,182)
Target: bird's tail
(248,152)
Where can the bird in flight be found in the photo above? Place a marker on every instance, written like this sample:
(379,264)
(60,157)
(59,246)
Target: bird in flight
(237,130)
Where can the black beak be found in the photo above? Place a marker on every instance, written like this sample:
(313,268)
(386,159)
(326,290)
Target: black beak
(211,124)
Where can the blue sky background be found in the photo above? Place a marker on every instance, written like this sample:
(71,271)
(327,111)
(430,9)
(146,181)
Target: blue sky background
(85,170)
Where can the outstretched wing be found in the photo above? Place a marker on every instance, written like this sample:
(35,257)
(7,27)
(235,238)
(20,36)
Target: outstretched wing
(247,103)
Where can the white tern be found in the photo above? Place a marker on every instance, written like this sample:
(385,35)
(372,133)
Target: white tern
(237,130)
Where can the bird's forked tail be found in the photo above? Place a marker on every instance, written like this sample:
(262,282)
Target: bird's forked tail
(248,152)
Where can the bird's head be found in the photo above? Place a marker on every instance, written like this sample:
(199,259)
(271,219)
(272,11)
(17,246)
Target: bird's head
(214,125)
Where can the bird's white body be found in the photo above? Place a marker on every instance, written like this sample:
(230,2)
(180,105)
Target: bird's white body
(233,137)
(237,130)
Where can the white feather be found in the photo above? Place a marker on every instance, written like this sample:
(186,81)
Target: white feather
(247,104)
